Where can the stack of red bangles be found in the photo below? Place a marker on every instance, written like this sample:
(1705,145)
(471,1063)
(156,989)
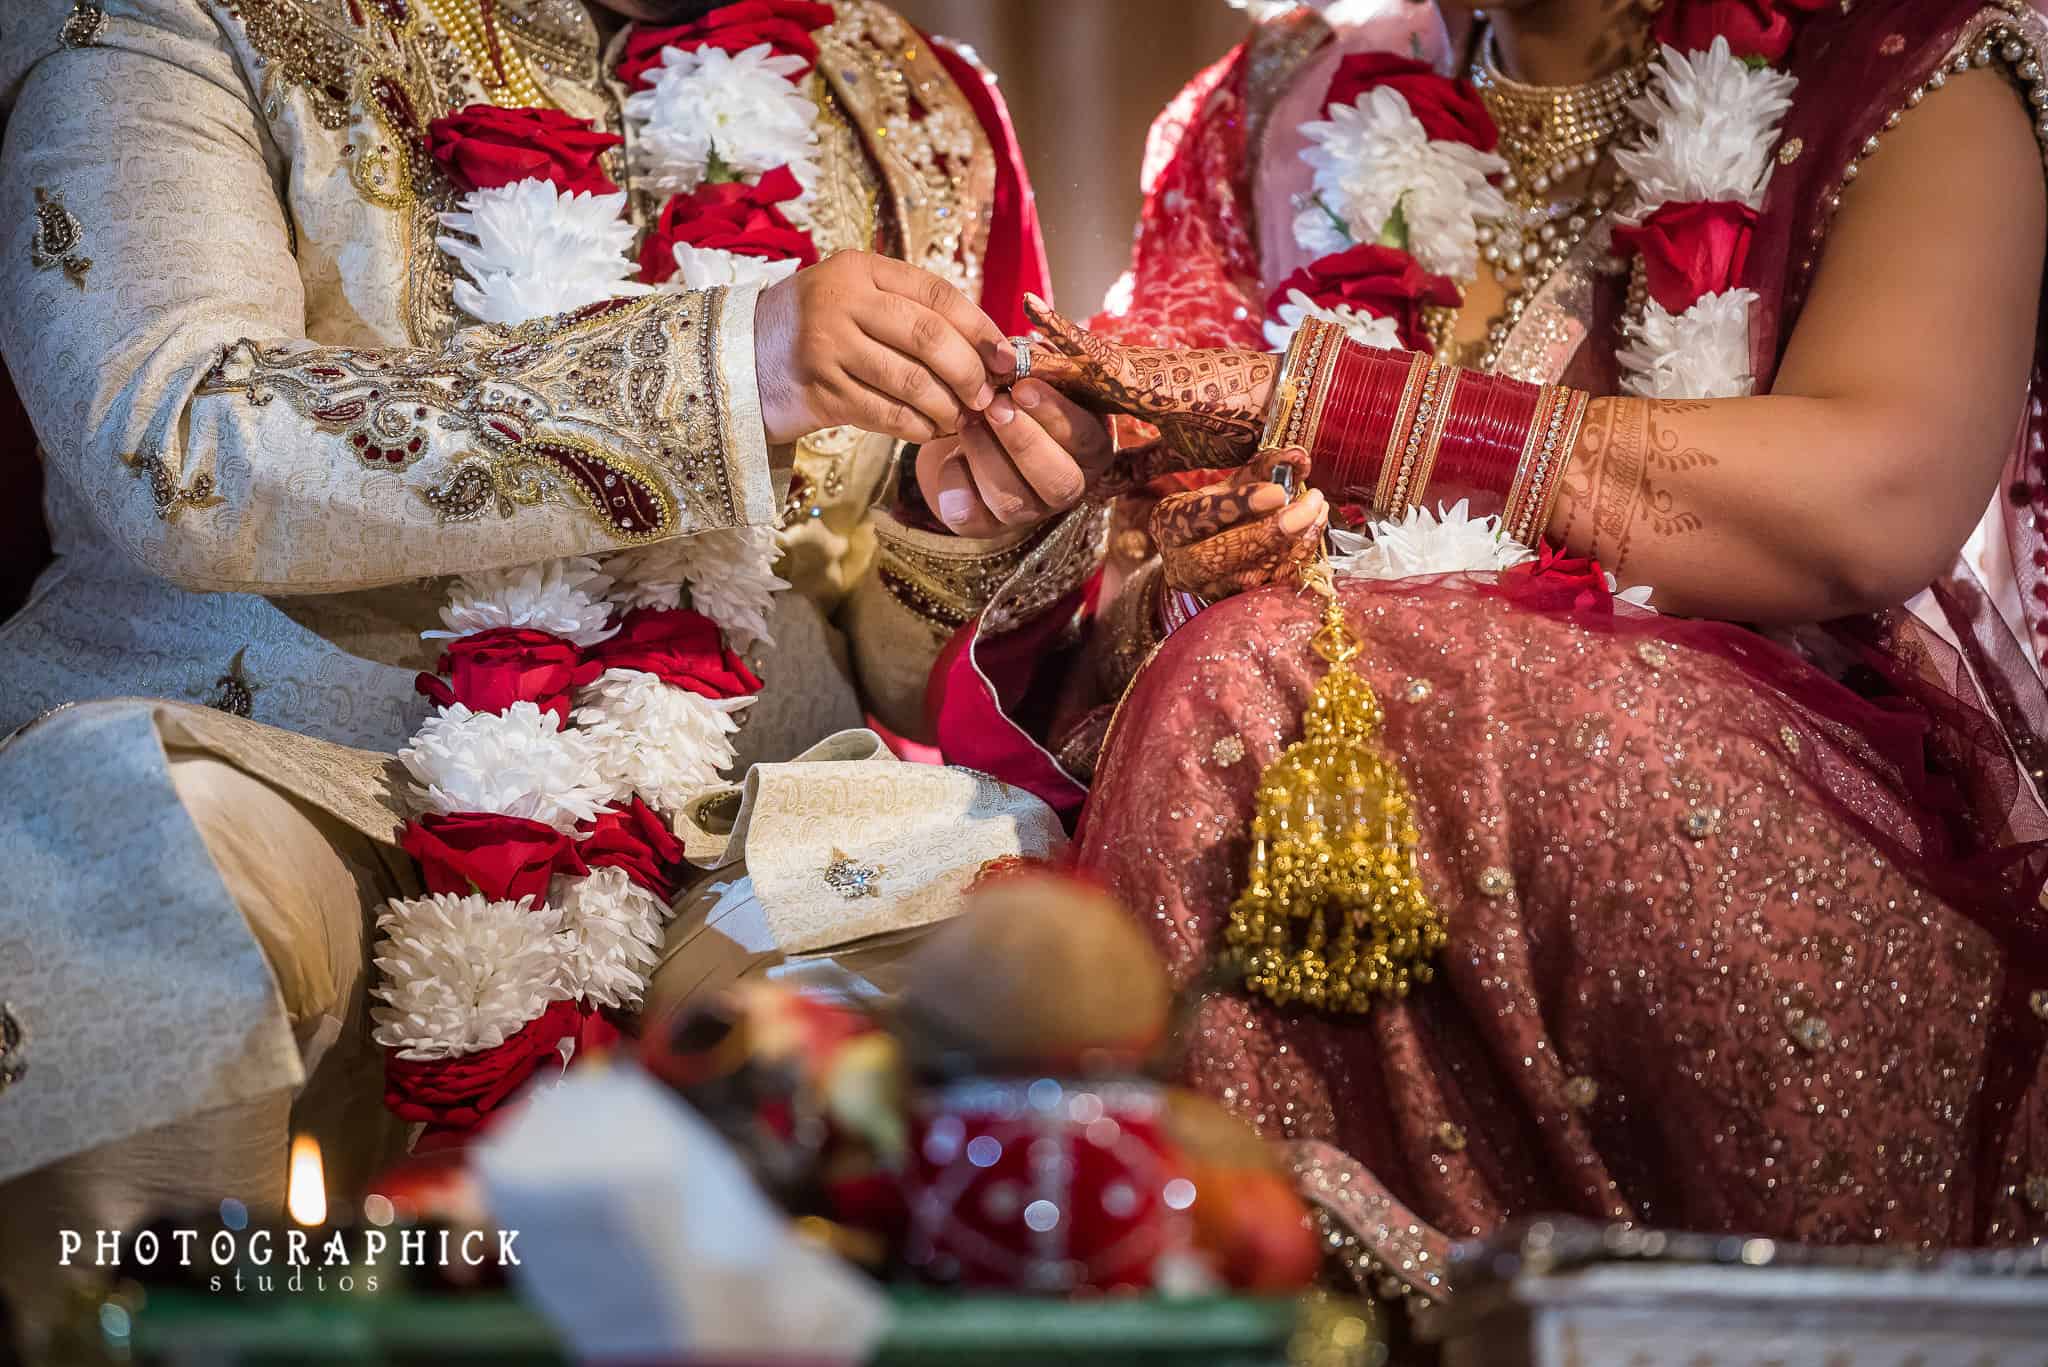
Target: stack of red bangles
(1387,427)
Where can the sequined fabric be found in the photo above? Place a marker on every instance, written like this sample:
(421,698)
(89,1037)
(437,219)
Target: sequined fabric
(1684,985)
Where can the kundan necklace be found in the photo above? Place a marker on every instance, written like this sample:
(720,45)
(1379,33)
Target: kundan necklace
(1548,135)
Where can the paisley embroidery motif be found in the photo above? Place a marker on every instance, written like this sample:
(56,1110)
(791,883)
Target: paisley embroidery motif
(57,238)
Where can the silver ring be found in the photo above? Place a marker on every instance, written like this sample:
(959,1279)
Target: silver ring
(1022,346)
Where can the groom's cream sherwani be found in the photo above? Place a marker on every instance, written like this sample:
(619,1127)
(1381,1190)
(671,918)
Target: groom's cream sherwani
(269,433)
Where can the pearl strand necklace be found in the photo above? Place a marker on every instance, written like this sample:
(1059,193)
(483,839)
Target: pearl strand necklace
(462,23)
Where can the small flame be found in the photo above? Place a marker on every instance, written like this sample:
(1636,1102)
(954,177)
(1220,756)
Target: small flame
(306,1192)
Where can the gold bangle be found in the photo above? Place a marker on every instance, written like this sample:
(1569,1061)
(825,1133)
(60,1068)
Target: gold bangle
(1418,430)
(1421,369)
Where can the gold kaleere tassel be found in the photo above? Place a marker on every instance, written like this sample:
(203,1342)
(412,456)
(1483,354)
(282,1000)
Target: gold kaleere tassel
(1335,915)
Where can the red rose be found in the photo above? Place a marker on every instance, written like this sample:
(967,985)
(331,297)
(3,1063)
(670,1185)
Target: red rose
(1449,110)
(1754,28)
(491,670)
(784,25)
(503,857)
(1381,281)
(681,648)
(483,147)
(1691,250)
(1558,583)
(633,838)
(732,217)
(459,1092)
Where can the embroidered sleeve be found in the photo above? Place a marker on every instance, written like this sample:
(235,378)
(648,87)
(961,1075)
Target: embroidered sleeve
(153,314)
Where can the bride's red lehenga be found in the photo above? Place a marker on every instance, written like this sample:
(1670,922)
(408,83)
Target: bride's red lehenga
(1734,945)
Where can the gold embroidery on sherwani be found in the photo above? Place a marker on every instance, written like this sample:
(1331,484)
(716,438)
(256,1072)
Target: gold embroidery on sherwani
(940,168)
(385,69)
(164,493)
(84,26)
(58,235)
(618,406)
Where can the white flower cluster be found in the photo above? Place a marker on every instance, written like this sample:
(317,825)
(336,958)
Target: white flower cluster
(728,574)
(1362,328)
(740,110)
(564,597)
(531,251)
(463,974)
(1448,541)
(1373,156)
(665,744)
(1711,124)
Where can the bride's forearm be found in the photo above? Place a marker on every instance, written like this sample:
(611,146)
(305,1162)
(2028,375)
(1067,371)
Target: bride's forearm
(1770,509)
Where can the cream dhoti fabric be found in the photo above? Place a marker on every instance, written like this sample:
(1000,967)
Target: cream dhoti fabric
(192,899)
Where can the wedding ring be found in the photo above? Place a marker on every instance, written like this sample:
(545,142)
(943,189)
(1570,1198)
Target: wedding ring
(1022,346)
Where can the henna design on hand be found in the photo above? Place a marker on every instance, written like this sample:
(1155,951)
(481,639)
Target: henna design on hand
(1616,477)
(1228,537)
(1209,406)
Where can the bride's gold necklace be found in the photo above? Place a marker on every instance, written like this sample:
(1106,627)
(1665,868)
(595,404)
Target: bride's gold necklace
(1548,135)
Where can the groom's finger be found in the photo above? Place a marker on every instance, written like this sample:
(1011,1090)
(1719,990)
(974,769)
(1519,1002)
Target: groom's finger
(946,482)
(1078,432)
(1002,486)
(1046,465)
(978,328)
(927,338)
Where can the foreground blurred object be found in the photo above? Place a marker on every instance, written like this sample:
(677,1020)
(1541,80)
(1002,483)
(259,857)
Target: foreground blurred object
(641,1234)
(1546,1294)
(1042,1159)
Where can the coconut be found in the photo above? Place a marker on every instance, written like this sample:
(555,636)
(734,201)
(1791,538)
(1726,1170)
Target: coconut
(1039,973)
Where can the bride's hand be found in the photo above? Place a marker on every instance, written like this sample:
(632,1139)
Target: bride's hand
(1209,406)
(1241,532)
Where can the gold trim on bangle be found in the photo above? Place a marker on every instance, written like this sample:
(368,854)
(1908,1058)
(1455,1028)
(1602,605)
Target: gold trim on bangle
(1432,441)
(1575,423)
(1323,369)
(1418,428)
(1421,369)
(1553,436)
(1525,467)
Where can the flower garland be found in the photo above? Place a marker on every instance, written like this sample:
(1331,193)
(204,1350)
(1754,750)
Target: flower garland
(579,700)
(1405,191)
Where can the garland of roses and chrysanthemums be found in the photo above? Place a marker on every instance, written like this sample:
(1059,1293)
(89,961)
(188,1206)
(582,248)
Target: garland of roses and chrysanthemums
(1405,188)
(580,700)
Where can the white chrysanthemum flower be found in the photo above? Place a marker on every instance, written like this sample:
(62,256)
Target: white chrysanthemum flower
(520,762)
(728,572)
(739,108)
(703,268)
(565,597)
(532,251)
(1448,541)
(666,744)
(1362,328)
(1317,233)
(1375,154)
(1710,124)
(1702,353)
(614,928)
(463,974)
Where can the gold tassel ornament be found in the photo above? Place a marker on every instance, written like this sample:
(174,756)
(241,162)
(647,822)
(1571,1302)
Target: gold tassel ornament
(1335,915)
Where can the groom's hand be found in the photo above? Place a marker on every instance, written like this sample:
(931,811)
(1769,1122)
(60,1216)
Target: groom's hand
(865,341)
(1030,455)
